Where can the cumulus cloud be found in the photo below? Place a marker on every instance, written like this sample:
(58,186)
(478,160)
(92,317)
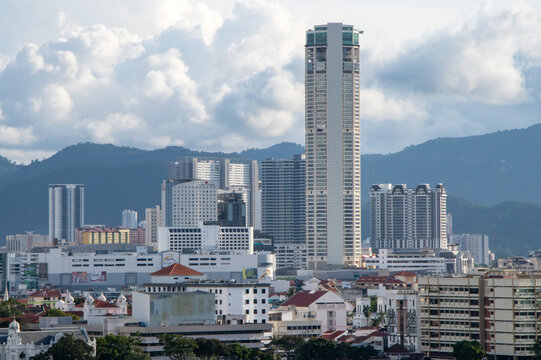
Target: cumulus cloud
(207,78)
(483,60)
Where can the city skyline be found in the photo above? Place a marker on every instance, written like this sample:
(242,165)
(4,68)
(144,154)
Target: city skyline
(237,86)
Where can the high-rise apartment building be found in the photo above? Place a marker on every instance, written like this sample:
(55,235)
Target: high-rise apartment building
(66,211)
(187,203)
(405,218)
(226,174)
(333,146)
(153,220)
(129,219)
(499,309)
(476,244)
(283,200)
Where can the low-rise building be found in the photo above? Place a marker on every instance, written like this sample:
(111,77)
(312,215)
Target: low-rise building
(326,307)
(206,237)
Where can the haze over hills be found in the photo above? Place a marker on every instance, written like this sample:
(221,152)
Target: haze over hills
(486,169)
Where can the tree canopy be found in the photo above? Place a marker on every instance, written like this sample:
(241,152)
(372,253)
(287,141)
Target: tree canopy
(468,350)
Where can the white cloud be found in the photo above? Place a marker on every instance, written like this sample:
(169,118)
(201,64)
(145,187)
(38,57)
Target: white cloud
(56,102)
(229,75)
(375,106)
(16,136)
(115,128)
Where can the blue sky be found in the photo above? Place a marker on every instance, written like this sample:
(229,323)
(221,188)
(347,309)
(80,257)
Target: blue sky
(228,75)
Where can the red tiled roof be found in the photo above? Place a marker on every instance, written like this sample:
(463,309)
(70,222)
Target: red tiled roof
(80,305)
(46,293)
(397,349)
(304,298)
(332,335)
(176,270)
(405,273)
(103,304)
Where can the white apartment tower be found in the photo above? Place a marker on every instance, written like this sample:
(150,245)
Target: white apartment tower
(406,218)
(333,146)
(227,174)
(66,211)
(153,220)
(187,203)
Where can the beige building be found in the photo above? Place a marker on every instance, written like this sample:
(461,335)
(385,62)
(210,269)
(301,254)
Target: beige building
(105,235)
(496,308)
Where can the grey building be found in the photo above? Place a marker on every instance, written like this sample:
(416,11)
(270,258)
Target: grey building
(225,174)
(404,218)
(231,208)
(129,219)
(333,146)
(476,244)
(66,211)
(283,200)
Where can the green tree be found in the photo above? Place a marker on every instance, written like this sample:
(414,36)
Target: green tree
(238,352)
(55,312)
(209,348)
(113,347)
(67,348)
(316,349)
(286,344)
(468,350)
(291,291)
(178,347)
(373,304)
(11,308)
(379,319)
(537,349)
(367,312)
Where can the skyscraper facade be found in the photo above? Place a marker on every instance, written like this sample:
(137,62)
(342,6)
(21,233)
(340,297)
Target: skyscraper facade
(66,211)
(333,146)
(187,203)
(129,219)
(153,220)
(226,174)
(402,217)
(283,200)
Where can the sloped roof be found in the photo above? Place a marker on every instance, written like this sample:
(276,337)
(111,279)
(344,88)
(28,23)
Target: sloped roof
(405,273)
(176,270)
(304,298)
(397,349)
(46,293)
(332,334)
(103,304)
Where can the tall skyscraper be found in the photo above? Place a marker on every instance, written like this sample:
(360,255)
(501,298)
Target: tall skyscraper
(333,146)
(129,219)
(283,200)
(66,211)
(402,217)
(226,174)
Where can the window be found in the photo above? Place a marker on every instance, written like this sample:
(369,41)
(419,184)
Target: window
(247,312)
(247,301)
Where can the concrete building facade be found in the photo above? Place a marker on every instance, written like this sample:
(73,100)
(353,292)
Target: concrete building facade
(66,211)
(333,146)
(283,200)
(402,217)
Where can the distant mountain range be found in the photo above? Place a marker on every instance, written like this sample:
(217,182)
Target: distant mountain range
(502,167)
